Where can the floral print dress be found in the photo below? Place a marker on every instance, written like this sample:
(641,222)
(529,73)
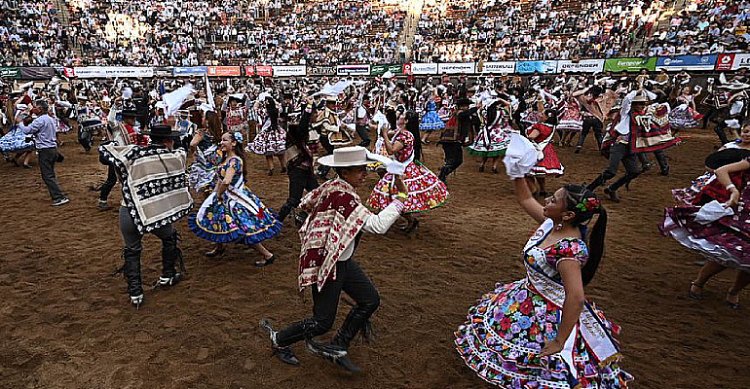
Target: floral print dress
(239,217)
(507,329)
(426,191)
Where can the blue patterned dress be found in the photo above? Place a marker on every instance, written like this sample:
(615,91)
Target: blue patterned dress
(431,120)
(15,141)
(240,217)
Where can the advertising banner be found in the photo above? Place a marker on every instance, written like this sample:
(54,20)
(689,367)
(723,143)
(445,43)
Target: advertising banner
(264,70)
(456,68)
(289,71)
(224,71)
(733,61)
(353,70)
(630,64)
(423,68)
(582,66)
(379,70)
(503,67)
(190,71)
(113,71)
(38,73)
(687,62)
(71,72)
(321,71)
(10,72)
(526,67)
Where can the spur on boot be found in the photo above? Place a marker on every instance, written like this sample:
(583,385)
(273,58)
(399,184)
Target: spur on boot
(136,301)
(612,195)
(165,281)
(284,354)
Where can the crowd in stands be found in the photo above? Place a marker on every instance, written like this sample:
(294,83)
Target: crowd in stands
(319,32)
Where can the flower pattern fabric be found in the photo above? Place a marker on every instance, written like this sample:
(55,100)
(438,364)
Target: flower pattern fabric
(269,141)
(431,121)
(426,191)
(507,329)
(15,141)
(239,217)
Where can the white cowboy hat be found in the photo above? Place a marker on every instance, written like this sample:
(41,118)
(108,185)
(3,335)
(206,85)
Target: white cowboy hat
(347,156)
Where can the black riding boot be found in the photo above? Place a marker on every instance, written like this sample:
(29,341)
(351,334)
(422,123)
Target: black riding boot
(599,181)
(170,254)
(355,321)
(132,271)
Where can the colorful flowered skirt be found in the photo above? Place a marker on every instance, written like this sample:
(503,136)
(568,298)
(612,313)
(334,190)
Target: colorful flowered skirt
(239,218)
(426,191)
(507,329)
(202,172)
(683,117)
(15,141)
(431,122)
(490,143)
(549,165)
(269,142)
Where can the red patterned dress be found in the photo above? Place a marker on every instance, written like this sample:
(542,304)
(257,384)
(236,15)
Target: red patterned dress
(426,191)
(549,164)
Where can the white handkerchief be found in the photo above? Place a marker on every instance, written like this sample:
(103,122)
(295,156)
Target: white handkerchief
(712,212)
(520,156)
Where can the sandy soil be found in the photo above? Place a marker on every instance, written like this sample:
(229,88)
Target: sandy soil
(66,322)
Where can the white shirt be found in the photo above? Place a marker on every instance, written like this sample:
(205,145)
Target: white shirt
(376,224)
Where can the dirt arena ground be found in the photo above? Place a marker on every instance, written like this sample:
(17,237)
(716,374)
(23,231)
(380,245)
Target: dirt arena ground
(65,322)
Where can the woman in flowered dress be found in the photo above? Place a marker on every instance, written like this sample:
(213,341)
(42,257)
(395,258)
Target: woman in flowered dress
(541,332)
(725,241)
(570,121)
(18,142)
(232,213)
(431,121)
(685,115)
(540,135)
(494,137)
(426,191)
(271,139)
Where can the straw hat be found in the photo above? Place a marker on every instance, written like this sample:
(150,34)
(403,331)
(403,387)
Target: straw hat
(346,157)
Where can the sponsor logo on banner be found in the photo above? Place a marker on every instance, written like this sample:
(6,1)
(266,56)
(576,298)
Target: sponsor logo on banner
(354,70)
(190,71)
(630,64)
(687,62)
(70,72)
(289,70)
(725,62)
(321,71)
(582,66)
(379,70)
(224,71)
(259,70)
(526,67)
(113,71)
(10,73)
(456,68)
(424,68)
(740,61)
(504,67)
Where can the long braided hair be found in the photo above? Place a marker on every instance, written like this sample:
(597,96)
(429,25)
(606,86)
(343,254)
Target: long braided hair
(584,204)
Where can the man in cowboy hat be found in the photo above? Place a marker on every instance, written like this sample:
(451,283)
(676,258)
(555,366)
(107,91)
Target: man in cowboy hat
(155,169)
(617,142)
(327,259)
(44,129)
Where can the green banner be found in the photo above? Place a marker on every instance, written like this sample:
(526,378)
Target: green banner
(10,73)
(379,70)
(630,64)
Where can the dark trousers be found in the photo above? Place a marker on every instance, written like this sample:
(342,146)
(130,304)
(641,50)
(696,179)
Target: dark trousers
(328,147)
(107,186)
(619,153)
(591,123)
(661,159)
(47,159)
(133,247)
(454,157)
(300,179)
(721,133)
(351,279)
(364,134)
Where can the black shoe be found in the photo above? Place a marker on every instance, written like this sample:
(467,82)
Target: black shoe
(284,354)
(327,351)
(578,149)
(646,167)
(265,262)
(166,281)
(347,365)
(612,195)
(481,168)
(665,172)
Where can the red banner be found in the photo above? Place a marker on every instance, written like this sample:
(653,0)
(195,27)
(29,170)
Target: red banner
(259,70)
(224,71)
